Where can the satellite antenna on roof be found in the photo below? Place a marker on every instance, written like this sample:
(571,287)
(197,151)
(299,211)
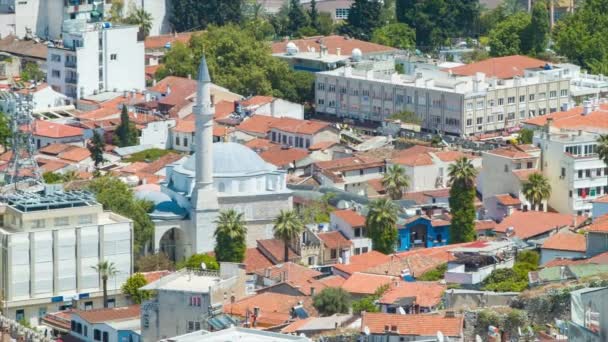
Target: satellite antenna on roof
(400,310)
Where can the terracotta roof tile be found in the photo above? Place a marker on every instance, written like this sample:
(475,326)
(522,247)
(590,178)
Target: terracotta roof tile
(600,259)
(510,152)
(275,308)
(256,101)
(360,262)
(334,240)
(159,42)
(332,43)
(351,217)
(22,47)
(185,126)
(134,167)
(295,326)
(108,315)
(161,162)
(450,156)
(523,175)
(75,154)
(532,223)
(255,260)
(600,225)
(55,130)
(180,87)
(299,126)
(274,250)
(566,241)
(427,294)
(603,199)
(287,271)
(333,281)
(413,325)
(500,67)
(422,159)
(257,124)
(49,165)
(261,144)
(507,200)
(573,119)
(54,149)
(284,157)
(322,145)
(485,225)
(154,275)
(366,283)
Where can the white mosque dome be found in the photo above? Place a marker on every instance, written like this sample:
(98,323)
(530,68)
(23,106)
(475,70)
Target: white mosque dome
(232,158)
(356,54)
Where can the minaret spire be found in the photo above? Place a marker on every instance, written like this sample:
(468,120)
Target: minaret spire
(203,112)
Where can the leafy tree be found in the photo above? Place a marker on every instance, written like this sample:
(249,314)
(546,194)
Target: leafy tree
(363,19)
(462,200)
(280,21)
(177,62)
(115,13)
(70,176)
(196,260)
(96,148)
(31,72)
(397,35)
(435,274)
(143,20)
(126,133)
(52,178)
(515,279)
(298,18)
(188,15)
(368,303)
(317,211)
(230,237)
(381,223)
(325,24)
(528,257)
(536,189)
(506,37)
(132,287)
(525,136)
(105,269)
(406,116)
(154,262)
(287,228)
(602,148)
(5,131)
(313,14)
(536,35)
(332,300)
(395,180)
(116,196)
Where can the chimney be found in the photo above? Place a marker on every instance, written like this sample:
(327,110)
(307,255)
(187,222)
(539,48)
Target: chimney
(587,107)
(154,82)
(339,51)
(189,76)
(168,92)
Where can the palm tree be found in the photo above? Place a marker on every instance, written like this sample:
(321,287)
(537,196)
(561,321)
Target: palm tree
(230,236)
(105,269)
(381,222)
(536,189)
(462,171)
(395,181)
(142,19)
(602,148)
(287,227)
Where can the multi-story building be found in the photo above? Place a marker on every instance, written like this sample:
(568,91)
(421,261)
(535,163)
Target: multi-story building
(113,324)
(185,300)
(349,174)
(576,173)
(352,225)
(50,243)
(94,58)
(492,95)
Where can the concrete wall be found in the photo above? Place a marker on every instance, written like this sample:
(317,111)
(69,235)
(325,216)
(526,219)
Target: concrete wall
(599,209)
(456,299)
(596,243)
(547,255)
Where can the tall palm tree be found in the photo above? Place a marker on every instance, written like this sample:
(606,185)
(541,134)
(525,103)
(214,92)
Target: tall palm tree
(536,189)
(395,180)
(602,148)
(462,171)
(381,223)
(230,236)
(142,19)
(105,269)
(287,227)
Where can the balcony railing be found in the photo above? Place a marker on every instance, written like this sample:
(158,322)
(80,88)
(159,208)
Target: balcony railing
(71,80)
(70,64)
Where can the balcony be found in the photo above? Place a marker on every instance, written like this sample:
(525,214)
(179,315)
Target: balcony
(70,64)
(71,80)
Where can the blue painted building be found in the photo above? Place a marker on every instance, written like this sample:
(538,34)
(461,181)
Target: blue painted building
(423,231)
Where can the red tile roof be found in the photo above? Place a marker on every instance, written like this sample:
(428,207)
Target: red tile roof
(413,325)
(366,283)
(256,101)
(510,152)
(261,144)
(134,167)
(485,225)
(333,281)
(159,42)
(360,262)
(75,154)
(573,119)
(523,175)
(295,326)
(353,218)
(600,225)
(185,126)
(422,159)
(566,241)
(427,294)
(275,308)
(108,315)
(288,271)
(161,162)
(154,275)
(322,145)
(601,259)
(532,223)
(332,43)
(54,149)
(499,67)
(49,165)
(274,249)
(299,126)
(334,240)
(55,130)
(284,157)
(255,260)
(507,200)
(181,88)
(603,199)
(257,124)
(450,156)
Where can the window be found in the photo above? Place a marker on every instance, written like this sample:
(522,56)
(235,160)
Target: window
(185,142)
(358,232)
(79,328)
(73,325)
(469,122)
(364,250)
(177,141)
(531,97)
(320,86)
(86,331)
(510,116)
(62,221)
(479,121)
(570,193)
(195,301)
(511,99)
(588,173)
(194,326)
(541,96)
(501,117)
(522,114)
(334,253)
(85,219)
(490,103)
(321,101)
(105,336)
(563,92)
(55,58)
(517,166)
(56,73)
(111,303)
(598,172)
(97,335)
(88,306)
(480,104)
(490,118)
(580,173)
(529,165)
(38,223)
(522,98)
(113,56)
(342,13)
(553,94)
(506,168)
(332,88)
(469,105)
(501,102)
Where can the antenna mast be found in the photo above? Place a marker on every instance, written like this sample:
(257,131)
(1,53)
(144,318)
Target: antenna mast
(22,165)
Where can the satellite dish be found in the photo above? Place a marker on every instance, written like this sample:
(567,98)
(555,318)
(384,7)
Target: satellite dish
(366,330)
(440,336)
(400,311)
(203,266)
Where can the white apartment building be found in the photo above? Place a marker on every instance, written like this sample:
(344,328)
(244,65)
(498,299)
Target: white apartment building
(50,243)
(96,58)
(352,225)
(576,173)
(459,105)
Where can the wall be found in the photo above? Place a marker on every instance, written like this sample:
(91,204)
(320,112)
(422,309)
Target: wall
(456,272)
(160,12)
(157,133)
(583,302)
(547,255)
(127,71)
(280,108)
(468,299)
(431,234)
(599,209)
(596,243)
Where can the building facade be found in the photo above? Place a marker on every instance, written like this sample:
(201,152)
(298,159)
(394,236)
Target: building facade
(94,58)
(423,232)
(50,243)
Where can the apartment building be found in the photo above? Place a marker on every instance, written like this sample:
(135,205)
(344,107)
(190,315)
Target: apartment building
(50,243)
(349,174)
(352,225)
(493,95)
(576,173)
(95,58)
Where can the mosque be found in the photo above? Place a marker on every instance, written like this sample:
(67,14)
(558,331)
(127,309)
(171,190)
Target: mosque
(218,176)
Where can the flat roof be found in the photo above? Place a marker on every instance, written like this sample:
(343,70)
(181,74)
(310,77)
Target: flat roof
(29,202)
(236,334)
(186,280)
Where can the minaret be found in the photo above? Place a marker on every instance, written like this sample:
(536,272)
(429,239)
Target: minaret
(204,201)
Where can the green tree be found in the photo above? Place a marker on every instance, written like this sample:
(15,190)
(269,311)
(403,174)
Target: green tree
(52,178)
(536,36)
(363,19)
(143,20)
(536,189)
(116,196)
(298,18)
(126,132)
(602,148)
(528,257)
(96,147)
(70,176)
(368,303)
(313,14)
(462,200)
(395,181)
(196,260)
(189,15)
(525,136)
(178,61)
(332,300)
(397,35)
(287,228)
(131,288)
(435,274)
(326,24)
(317,211)
(115,13)
(5,131)
(154,262)
(506,37)
(406,116)
(381,222)
(230,236)
(105,269)
(31,72)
